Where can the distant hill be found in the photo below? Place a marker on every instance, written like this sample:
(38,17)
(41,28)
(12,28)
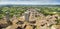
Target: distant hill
(32,5)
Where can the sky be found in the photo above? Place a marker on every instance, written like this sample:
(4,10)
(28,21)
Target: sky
(29,2)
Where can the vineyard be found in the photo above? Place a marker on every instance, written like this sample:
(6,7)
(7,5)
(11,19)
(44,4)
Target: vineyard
(29,17)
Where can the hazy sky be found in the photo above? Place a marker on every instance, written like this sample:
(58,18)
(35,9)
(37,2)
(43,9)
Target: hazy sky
(30,2)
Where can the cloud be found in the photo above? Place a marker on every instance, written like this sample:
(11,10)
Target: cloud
(28,2)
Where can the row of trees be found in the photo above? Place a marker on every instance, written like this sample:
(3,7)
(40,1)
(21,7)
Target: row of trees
(18,10)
